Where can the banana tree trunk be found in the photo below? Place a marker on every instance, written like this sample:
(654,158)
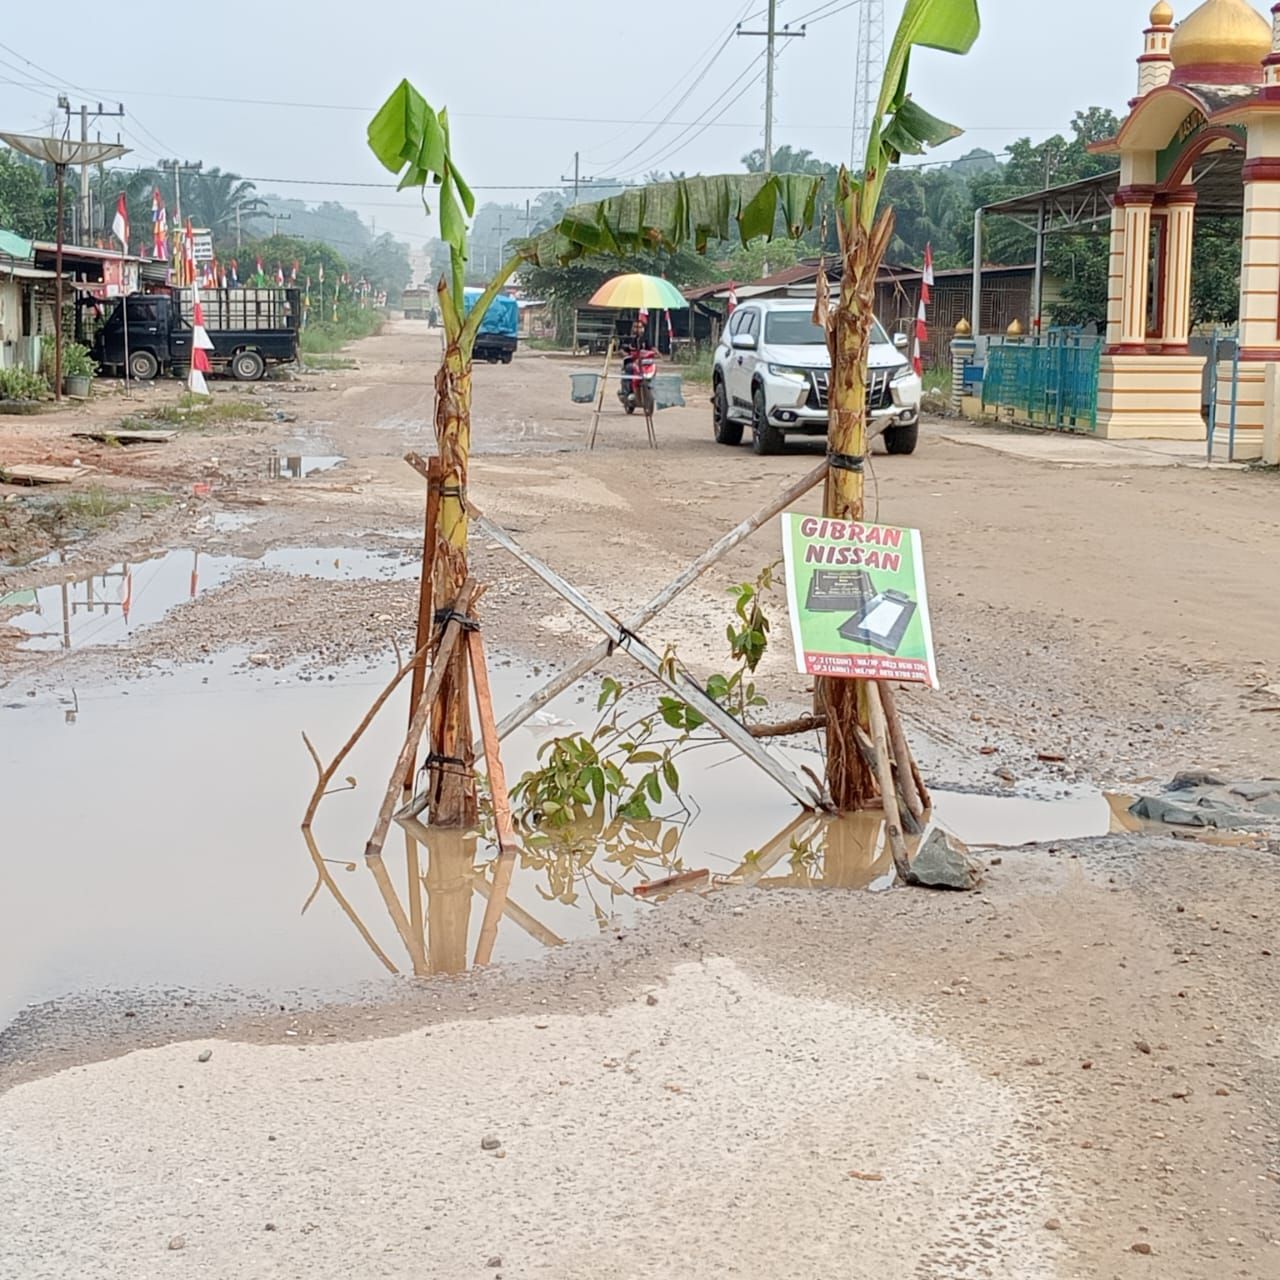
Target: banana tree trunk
(850,780)
(452,784)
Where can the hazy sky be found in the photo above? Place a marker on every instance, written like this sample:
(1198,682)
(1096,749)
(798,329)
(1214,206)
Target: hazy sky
(574,75)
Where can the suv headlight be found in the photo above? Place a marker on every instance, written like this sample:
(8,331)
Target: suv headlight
(903,373)
(789,372)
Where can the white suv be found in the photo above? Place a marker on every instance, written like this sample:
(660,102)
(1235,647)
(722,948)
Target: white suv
(772,371)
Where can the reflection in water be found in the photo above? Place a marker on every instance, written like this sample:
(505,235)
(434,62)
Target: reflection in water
(298,465)
(457,889)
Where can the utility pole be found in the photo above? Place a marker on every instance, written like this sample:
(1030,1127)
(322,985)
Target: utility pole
(771,35)
(500,229)
(577,178)
(180,167)
(277,219)
(85,216)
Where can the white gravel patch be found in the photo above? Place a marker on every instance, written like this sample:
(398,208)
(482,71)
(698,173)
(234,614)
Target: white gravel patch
(709,1134)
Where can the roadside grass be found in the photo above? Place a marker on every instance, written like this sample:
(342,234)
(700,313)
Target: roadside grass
(323,337)
(545,344)
(937,379)
(198,411)
(31,525)
(698,369)
(326,363)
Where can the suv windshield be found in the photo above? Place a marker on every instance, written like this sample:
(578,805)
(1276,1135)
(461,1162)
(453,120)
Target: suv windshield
(796,329)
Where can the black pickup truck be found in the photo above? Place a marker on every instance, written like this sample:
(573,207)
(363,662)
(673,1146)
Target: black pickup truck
(249,328)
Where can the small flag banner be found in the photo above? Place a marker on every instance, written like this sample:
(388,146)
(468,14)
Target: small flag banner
(201,344)
(120,223)
(159,227)
(922,325)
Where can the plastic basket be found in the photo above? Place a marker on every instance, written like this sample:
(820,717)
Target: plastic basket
(668,391)
(583,389)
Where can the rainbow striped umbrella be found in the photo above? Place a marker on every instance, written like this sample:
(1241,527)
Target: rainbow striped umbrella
(638,291)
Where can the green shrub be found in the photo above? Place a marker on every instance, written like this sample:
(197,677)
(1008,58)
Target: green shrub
(76,361)
(22,384)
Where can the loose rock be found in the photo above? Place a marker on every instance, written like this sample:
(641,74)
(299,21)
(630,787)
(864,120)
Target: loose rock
(204,1055)
(941,865)
(490,1143)
(1140,1246)
(177,1242)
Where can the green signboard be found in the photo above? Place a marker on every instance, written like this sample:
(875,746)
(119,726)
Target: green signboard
(857,599)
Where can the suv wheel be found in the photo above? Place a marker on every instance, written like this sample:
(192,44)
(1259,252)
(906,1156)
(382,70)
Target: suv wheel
(726,432)
(765,438)
(902,439)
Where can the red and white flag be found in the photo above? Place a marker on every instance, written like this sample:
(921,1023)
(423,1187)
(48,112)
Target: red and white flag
(279,274)
(120,223)
(926,296)
(159,227)
(733,298)
(201,343)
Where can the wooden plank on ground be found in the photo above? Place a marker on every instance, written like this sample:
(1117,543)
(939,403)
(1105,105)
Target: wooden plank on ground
(122,435)
(37,473)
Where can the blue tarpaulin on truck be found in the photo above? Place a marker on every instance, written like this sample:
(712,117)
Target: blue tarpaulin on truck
(503,315)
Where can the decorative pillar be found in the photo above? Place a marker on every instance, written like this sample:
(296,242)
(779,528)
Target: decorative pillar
(1133,203)
(1155,66)
(1175,301)
(1246,383)
(963,348)
(1149,386)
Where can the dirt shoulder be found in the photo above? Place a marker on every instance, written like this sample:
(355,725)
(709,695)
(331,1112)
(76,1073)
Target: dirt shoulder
(1029,1081)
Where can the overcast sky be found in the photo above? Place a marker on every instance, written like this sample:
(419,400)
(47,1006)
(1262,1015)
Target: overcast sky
(577,75)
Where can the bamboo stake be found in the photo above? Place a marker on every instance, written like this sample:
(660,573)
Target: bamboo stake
(423,636)
(326,773)
(489,735)
(884,773)
(604,382)
(717,551)
(448,642)
(913,790)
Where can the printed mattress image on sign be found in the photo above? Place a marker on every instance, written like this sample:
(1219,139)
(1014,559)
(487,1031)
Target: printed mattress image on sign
(884,622)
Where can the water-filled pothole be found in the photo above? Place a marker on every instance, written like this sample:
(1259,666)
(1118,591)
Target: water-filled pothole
(180,837)
(298,466)
(106,607)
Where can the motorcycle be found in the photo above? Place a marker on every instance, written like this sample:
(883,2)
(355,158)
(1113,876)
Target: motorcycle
(639,368)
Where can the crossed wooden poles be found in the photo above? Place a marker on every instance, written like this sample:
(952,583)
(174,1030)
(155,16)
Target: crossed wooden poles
(885,746)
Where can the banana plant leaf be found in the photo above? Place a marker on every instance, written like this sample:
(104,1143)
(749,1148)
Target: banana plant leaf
(411,139)
(677,214)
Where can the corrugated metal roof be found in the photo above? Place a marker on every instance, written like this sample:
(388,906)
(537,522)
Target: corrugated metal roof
(13,245)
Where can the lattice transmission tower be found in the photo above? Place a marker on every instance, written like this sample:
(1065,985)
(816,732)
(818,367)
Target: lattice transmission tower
(868,68)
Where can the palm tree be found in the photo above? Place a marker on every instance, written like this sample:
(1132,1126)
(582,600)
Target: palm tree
(211,198)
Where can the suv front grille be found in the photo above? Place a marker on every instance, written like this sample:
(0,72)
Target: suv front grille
(878,394)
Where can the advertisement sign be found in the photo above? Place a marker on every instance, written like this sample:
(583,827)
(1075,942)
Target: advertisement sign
(201,245)
(857,599)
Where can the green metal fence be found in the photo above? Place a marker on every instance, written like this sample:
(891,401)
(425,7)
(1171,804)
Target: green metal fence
(1051,381)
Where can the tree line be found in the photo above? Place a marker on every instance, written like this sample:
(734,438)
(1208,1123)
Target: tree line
(239,218)
(933,205)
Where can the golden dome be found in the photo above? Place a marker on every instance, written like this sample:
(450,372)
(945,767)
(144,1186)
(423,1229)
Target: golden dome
(1162,14)
(1222,33)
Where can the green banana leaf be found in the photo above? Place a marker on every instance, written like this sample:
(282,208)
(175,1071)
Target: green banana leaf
(411,139)
(677,214)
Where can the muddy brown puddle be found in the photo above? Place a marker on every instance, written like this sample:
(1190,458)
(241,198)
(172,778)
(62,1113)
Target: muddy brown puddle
(108,606)
(157,839)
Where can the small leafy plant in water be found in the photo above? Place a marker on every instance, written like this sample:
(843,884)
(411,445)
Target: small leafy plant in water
(626,769)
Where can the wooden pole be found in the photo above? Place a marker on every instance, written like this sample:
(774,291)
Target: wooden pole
(489,736)
(679,683)
(884,772)
(604,382)
(425,588)
(417,725)
(908,774)
(717,551)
